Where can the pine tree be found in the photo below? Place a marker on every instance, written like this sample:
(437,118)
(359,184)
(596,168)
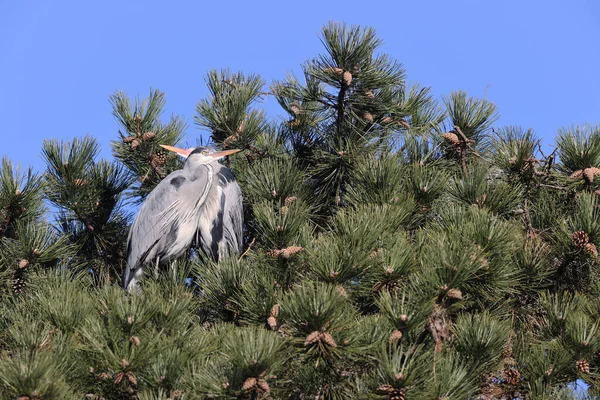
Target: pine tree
(397,247)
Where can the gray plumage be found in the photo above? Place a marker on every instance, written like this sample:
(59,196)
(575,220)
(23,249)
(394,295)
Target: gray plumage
(200,203)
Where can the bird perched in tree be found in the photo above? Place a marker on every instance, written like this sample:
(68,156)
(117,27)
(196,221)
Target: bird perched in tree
(200,203)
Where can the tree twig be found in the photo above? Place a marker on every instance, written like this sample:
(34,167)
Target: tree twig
(248,249)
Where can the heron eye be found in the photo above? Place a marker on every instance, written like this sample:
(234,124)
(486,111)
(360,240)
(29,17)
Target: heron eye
(204,153)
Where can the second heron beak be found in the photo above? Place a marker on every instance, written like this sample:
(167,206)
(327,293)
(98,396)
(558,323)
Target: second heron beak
(220,154)
(182,152)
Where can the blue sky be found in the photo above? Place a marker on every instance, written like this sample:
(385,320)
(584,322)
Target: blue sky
(60,60)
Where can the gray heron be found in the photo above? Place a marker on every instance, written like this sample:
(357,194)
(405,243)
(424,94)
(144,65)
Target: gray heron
(201,203)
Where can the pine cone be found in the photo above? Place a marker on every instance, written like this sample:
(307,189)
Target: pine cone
(583,366)
(328,339)
(396,394)
(590,173)
(148,135)
(395,336)
(386,120)
(368,117)
(512,376)
(293,123)
(272,322)
(295,108)
(347,77)
(385,388)
(229,140)
(341,290)
(23,264)
(312,338)
(18,283)
(275,310)
(249,384)
(452,138)
(129,139)
(131,378)
(290,200)
(455,294)
(135,143)
(591,248)
(135,340)
(580,238)
(291,251)
(158,159)
(263,386)
(17,192)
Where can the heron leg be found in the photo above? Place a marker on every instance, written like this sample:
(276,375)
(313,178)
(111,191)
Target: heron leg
(156,267)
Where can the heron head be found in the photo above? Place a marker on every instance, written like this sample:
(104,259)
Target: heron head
(200,155)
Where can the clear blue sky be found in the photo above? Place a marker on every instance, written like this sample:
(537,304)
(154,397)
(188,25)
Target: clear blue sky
(60,60)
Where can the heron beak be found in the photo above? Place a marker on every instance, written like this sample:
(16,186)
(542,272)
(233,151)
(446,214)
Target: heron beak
(182,152)
(221,154)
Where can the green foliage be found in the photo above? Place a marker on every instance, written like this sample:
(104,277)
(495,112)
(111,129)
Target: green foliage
(481,189)
(140,134)
(88,194)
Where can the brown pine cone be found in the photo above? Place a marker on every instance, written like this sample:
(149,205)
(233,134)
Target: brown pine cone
(312,338)
(291,251)
(580,238)
(129,139)
(18,283)
(158,159)
(328,339)
(249,384)
(148,135)
(272,322)
(583,366)
(451,137)
(512,376)
(275,310)
(368,117)
(576,174)
(347,77)
(591,248)
(295,108)
(590,173)
(455,294)
(395,336)
(23,264)
(263,386)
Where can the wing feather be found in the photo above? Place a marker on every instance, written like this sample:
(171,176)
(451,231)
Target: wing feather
(169,210)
